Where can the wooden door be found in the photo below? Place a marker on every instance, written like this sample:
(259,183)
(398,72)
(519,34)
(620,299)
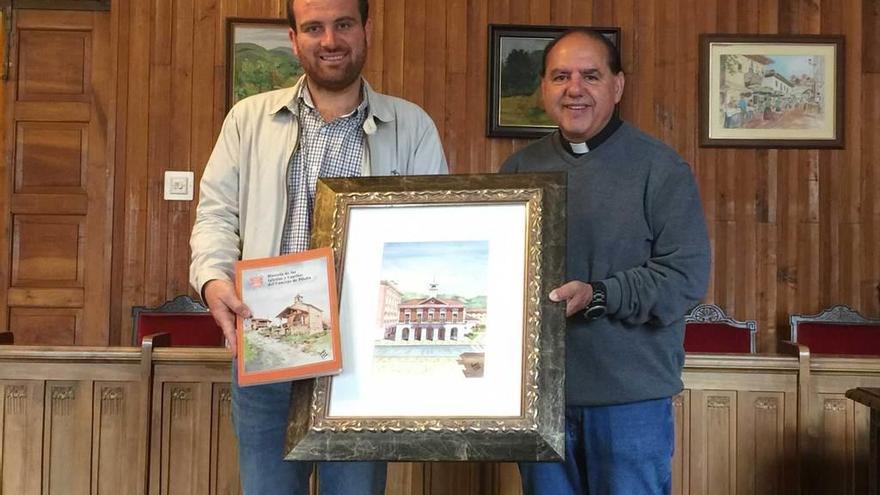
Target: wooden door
(56,198)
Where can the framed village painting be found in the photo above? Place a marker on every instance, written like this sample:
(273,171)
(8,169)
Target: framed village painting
(515,57)
(258,58)
(451,347)
(771,91)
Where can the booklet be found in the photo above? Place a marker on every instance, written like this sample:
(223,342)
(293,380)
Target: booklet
(293,331)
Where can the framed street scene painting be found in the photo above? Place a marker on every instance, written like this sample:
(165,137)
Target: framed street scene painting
(771,91)
(451,347)
(258,58)
(515,58)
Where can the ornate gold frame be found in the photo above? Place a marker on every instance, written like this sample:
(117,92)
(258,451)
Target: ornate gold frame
(538,433)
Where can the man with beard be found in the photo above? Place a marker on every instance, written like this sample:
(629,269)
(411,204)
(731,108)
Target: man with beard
(257,196)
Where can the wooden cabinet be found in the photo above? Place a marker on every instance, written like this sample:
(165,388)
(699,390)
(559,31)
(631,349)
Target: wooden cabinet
(121,420)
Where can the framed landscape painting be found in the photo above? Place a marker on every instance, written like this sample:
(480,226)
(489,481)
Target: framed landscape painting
(515,57)
(258,58)
(451,347)
(771,91)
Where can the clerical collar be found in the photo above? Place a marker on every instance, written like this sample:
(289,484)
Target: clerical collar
(578,149)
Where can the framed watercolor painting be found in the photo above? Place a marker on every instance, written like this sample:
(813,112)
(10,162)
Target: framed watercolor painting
(515,58)
(771,91)
(258,58)
(452,349)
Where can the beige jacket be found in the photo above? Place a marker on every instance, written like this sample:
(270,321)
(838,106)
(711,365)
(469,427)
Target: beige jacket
(243,192)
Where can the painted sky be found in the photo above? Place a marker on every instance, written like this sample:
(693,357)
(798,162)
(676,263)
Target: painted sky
(458,267)
(267,37)
(796,65)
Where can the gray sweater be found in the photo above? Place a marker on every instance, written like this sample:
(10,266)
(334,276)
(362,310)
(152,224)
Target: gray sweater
(635,222)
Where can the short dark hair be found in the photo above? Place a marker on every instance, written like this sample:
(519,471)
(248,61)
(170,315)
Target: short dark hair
(611,51)
(363,6)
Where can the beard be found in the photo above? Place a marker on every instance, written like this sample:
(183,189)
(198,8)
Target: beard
(335,78)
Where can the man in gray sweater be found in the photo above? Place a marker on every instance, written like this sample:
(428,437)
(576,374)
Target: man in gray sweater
(637,258)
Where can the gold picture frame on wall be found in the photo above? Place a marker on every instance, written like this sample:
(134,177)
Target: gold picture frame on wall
(452,349)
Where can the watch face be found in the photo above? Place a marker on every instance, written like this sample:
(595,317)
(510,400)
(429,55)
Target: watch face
(594,312)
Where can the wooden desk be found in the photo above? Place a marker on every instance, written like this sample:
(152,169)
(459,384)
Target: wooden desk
(870,397)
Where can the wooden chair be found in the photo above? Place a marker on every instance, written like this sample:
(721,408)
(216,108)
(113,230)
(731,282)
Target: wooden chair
(837,330)
(187,322)
(708,329)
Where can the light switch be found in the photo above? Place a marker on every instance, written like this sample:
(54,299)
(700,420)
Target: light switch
(179,185)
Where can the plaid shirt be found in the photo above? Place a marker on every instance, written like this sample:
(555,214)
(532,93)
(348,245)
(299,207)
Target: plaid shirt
(326,149)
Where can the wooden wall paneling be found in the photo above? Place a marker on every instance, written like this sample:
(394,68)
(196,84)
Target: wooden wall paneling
(560,12)
(374,68)
(120,42)
(507,479)
(502,12)
(681,405)
(664,66)
(870,183)
(731,425)
(435,56)
(22,435)
(206,38)
(581,13)
(744,240)
(69,423)
(517,11)
(643,67)
(225,9)
(393,48)
(117,414)
(182,98)
(476,89)
(714,429)
(406,478)
(786,247)
(46,326)
(224,454)
(6,93)
(456,112)
(161,115)
(768,267)
(61,202)
(603,12)
(686,73)
(870,31)
(132,229)
(67,446)
(414,51)
(187,429)
(763,434)
(100,182)
(459,478)
(539,12)
(840,426)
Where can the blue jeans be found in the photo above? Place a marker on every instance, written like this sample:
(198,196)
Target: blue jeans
(259,414)
(624,449)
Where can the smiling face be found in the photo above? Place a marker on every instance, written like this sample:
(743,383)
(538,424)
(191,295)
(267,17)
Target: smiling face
(330,42)
(578,88)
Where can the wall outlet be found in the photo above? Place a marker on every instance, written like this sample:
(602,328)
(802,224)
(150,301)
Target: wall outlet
(179,185)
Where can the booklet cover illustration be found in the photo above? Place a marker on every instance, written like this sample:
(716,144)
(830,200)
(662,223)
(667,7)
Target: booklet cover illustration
(293,331)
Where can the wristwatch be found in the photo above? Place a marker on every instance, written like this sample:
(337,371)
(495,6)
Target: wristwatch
(596,307)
